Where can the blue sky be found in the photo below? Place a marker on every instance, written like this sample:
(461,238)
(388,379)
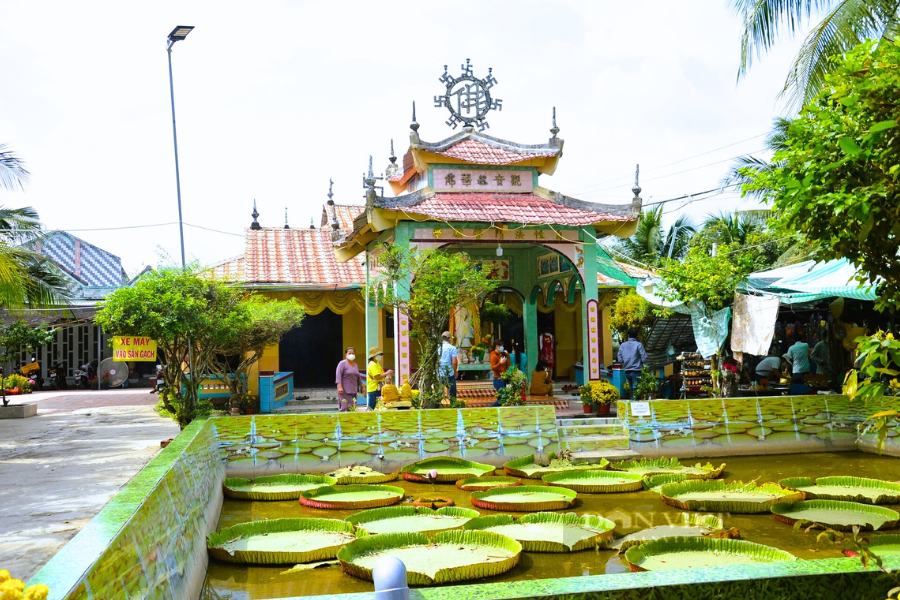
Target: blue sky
(273,98)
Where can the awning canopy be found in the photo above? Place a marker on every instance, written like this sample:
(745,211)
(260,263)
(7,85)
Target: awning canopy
(811,281)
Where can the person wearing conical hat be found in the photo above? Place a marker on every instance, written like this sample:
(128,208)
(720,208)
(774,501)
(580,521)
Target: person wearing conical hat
(375,375)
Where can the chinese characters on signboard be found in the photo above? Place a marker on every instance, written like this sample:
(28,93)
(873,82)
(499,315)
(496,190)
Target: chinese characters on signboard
(494,180)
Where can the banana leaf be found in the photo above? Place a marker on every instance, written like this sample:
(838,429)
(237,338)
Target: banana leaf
(655,482)
(357,475)
(718,496)
(413,519)
(686,552)
(687,525)
(448,557)
(662,466)
(274,487)
(838,515)
(474,484)
(597,482)
(280,541)
(448,469)
(848,489)
(352,496)
(549,532)
(527,468)
(525,498)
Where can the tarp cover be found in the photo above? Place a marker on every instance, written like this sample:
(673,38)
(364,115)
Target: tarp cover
(754,323)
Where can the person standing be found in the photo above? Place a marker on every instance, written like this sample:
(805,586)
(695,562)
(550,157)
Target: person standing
(819,357)
(798,356)
(347,379)
(547,350)
(448,364)
(632,356)
(374,375)
(499,366)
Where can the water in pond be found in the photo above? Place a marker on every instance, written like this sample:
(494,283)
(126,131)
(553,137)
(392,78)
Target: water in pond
(631,512)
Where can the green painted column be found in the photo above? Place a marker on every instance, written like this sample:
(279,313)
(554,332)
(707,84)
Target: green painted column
(402,342)
(590,310)
(529,321)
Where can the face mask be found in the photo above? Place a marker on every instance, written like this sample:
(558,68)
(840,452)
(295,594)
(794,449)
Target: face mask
(500,349)
(351,356)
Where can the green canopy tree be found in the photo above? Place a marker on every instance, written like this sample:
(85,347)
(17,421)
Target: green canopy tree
(651,244)
(427,285)
(19,336)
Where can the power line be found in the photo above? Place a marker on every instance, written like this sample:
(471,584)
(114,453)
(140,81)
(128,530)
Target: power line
(155,225)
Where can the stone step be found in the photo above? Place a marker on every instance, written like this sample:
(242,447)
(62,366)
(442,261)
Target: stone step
(610,455)
(591,430)
(307,406)
(576,421)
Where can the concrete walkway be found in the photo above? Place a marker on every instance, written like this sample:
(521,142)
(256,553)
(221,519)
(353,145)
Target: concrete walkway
(58,469)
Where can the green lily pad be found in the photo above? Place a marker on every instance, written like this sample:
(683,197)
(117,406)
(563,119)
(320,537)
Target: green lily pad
(274,487)
(718,496)
(689,552)
(411,519)
(661,466)
(687,525)
(849,489)
(281,541)
(445,469)
(842,516)
(527,467)
(549,532)
(525,498)
(352,496)
(596,482)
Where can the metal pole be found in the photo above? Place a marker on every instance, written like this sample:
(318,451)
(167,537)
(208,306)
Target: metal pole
(175,139)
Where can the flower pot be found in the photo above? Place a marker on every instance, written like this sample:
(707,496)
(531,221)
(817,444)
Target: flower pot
(603,409)
(588,408)
(248,411)
(235,411)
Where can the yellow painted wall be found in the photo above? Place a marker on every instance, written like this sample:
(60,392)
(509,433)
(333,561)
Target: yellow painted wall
(567,350)
(387,343)
(267,362)
(353,324)
(606,353)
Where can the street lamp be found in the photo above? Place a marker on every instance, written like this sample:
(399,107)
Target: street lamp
(178,34)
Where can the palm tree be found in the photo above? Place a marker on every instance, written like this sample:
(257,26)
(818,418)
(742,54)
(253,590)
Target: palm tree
(649,245)
(12,170)
(845,24)
(774,142)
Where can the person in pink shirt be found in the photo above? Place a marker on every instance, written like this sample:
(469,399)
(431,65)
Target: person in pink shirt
(347,379)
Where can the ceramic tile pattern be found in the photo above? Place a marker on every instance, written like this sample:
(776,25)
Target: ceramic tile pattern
(505,208)
(475,151)
(296,256)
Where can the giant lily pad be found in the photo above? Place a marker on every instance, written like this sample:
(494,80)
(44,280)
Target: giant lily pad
(352,496)
(881,545)
(687,525)
(596,482)
(525,498)
(526,467)
(449,556)
(849,489)
(842,516)
(280,541)
(718,496)
(549,532)
(446,469)
(474,484)
(655,482)
(274,487)
(686,552)
(358,474)
(661,466)
(411,519)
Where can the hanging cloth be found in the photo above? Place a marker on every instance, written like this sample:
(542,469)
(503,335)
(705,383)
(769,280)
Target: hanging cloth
(754,323)
(710,330)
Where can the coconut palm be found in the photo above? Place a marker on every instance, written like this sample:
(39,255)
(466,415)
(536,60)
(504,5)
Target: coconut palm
(846,23)
(12,170)
(650,244)
(775,141)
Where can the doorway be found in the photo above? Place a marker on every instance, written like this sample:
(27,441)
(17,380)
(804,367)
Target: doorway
(313,350)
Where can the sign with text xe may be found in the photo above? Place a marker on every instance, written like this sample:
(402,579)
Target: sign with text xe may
(130,347)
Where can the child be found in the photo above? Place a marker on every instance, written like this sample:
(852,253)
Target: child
(389,392)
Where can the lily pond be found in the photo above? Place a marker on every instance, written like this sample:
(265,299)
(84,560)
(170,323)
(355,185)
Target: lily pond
(631,512)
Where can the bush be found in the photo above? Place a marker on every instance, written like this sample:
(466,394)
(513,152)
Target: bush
(511,394)
(598,392)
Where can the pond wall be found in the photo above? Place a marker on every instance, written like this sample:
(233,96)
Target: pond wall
(150,540)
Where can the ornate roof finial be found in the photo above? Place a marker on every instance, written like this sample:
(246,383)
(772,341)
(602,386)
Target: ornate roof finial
(311,224)
(554,130)
(330,193)
(286,226)
(637,188)
(392,158)
(414,126)
(255,224)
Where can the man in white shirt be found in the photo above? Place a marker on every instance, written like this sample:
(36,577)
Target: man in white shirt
(769,367)
(798,356)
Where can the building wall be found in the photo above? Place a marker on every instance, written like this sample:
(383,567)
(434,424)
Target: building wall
(354,322)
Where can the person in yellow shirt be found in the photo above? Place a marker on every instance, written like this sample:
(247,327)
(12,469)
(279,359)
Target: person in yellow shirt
(389,393)
(375,375)
(541,384)
(406,392)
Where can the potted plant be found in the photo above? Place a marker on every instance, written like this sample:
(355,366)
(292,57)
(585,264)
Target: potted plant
(647,385)
(249,404)
(600,394)
(513,393)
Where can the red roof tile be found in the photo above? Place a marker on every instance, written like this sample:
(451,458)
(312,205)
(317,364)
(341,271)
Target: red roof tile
(505,208)
(474,151)
(293,257)
(345,214)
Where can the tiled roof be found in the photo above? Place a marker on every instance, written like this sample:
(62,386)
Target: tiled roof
(345,214)
(474,151)
(292,257)
(504,208)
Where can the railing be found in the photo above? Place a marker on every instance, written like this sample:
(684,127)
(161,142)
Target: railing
(275,389)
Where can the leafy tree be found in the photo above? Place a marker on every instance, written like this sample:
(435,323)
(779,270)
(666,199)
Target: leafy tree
(750,231)
(19,336)
(650,245)
(427,285)
(838,183)
(706,279)
(743,166)
(185,314)
(630,310)
(12,170)
(846,24)
(255,324)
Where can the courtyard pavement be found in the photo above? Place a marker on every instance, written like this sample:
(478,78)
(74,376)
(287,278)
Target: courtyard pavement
(58,469)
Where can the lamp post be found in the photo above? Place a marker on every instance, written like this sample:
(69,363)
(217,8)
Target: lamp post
(178,34)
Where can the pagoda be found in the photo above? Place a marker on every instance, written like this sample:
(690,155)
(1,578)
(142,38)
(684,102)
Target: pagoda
(478,194)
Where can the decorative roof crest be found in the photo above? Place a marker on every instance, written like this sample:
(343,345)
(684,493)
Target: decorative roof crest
(467,97)
(255,224)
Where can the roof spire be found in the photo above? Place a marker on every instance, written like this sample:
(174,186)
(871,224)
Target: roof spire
(554,130)
(286,226)
(637,188)
(255,224)
(334,221)
(311,224)
(414,126)
(330,193)
(392,158)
